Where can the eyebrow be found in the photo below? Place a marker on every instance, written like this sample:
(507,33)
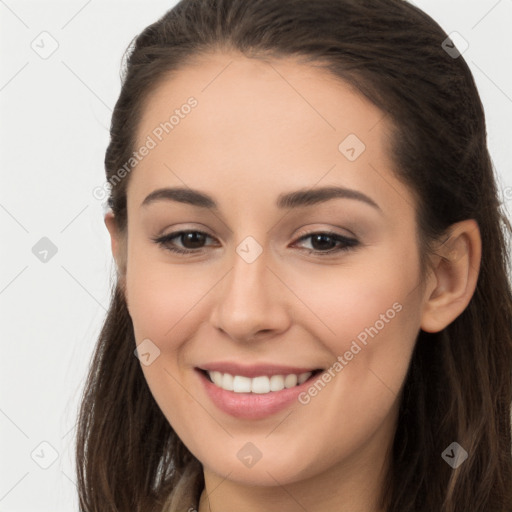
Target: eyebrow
(296,199)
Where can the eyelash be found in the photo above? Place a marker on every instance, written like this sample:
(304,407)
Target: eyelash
(348,243)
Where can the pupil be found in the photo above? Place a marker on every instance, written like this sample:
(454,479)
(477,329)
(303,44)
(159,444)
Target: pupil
(330,241)
(193,239)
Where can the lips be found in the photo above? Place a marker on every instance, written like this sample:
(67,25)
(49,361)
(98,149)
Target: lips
(275,387)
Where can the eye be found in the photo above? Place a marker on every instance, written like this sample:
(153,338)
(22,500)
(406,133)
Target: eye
(329,240)
(193,239)
(323,242)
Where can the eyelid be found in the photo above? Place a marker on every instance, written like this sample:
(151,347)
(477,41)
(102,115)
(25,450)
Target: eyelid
(330,231)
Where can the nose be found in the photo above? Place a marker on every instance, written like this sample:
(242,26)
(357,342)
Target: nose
(251,302)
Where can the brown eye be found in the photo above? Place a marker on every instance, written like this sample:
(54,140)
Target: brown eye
(191,241)
(328,243)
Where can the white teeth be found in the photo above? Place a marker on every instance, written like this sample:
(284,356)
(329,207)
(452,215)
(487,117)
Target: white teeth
(241,384)
(276,383)
(290,381)
(303,377)
(227,382)
(259,385)
(217,378)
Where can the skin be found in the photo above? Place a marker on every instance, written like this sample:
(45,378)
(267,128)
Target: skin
(261,129)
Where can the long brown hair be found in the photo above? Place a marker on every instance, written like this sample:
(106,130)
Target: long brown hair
(459,384)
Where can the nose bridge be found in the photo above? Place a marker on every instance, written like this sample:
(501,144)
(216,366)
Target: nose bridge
(248,300)
(249,275)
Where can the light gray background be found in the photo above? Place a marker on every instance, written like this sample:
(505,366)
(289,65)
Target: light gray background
(55,113)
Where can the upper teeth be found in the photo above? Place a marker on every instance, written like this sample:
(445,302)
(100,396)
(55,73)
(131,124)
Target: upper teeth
(263,384)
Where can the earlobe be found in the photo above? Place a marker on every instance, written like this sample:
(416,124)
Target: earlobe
(455,275)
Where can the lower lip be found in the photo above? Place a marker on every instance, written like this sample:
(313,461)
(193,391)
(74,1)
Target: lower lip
(252,406)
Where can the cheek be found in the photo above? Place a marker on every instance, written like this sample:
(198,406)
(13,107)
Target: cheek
(354,301)
(368,316)
(160,296)
(372,343)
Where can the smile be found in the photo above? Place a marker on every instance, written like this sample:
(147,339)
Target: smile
(253,392)
(261,384)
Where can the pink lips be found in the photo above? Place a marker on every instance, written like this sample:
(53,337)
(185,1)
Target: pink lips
(252,406)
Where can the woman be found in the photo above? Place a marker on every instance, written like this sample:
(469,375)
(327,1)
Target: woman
(312,309)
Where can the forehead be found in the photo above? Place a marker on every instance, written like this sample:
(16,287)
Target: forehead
(274,93)
(261,124)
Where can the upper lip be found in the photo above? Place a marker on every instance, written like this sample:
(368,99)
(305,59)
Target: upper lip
(254,370)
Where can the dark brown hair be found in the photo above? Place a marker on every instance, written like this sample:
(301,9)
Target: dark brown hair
(459,384)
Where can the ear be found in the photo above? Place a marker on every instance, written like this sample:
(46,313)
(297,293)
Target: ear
(118,245)
(456,266)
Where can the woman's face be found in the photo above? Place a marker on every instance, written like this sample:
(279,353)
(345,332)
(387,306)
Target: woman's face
(264,291)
